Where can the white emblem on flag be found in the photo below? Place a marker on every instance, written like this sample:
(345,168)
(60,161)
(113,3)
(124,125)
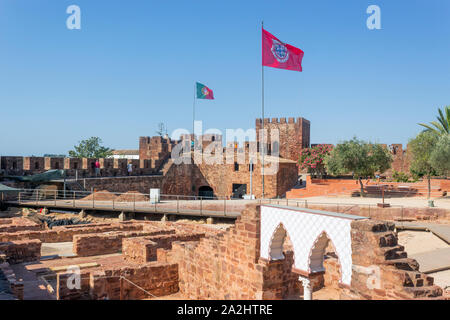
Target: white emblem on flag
(205,91)
(279,51)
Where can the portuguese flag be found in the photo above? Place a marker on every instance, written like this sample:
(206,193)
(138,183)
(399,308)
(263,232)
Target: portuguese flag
(203,92)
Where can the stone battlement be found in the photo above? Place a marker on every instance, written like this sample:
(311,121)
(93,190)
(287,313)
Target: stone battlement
(282,120)
(83,167)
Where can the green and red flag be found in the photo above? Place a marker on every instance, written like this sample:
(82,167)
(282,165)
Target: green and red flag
(203,92)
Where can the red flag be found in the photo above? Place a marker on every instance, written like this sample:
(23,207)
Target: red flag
(277,54)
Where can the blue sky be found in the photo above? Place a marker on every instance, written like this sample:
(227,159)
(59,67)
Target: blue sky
(133,64)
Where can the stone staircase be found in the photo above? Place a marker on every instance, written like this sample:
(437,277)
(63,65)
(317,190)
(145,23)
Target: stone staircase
(416,284)
(400,275)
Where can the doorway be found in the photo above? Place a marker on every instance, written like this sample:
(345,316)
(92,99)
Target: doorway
(206,192)
(239,190)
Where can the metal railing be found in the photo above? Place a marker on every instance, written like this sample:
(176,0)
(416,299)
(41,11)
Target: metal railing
(179,204)
(130,202)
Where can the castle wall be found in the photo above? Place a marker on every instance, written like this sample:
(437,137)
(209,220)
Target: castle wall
(186,179)
(81,167)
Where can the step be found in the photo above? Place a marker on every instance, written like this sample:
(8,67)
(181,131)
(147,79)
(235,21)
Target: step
(394,253)
(406,264)
(424,292)
(417,279)
(387,239)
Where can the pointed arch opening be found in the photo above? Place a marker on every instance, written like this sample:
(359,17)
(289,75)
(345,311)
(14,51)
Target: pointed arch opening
(280,243)
(324,262)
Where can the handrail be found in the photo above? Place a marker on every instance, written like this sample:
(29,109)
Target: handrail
(221,207)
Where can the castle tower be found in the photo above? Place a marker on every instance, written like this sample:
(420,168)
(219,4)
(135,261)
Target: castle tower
(294,135)
(154,148)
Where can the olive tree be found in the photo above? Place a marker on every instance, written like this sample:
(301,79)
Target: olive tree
(440,156)
(362,159)
(422,147)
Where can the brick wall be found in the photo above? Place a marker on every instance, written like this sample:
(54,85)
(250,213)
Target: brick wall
(144,249)
(142,184)
(21,250)
(227,265)
(66,233)
(18,224)
(105,243)
(157,279)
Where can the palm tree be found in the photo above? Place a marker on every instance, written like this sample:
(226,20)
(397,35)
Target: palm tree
(442,126)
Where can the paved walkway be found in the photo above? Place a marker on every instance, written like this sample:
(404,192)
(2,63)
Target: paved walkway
(433,261)
(441,231)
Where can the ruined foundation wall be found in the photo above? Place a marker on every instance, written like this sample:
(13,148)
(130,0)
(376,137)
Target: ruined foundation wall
(227,265)
(111,242)
(21,251)
(66,233)
(18,224)
(144,249)
(124,283)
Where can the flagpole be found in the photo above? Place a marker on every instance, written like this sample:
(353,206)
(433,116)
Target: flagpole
(193,112)
(262,107)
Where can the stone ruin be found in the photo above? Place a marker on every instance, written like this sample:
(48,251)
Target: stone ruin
(271,252)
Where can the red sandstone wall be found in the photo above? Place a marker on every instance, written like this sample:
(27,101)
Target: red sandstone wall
(227,266)
(158,279)
(66,233)
(21,251)
(374,244)
(144,249)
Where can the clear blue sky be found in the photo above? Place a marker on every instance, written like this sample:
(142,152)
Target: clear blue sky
(133,64)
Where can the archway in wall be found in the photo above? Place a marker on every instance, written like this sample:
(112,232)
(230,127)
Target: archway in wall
(307,227)
(324,263)
(281,254)
(206,192)
(276,245)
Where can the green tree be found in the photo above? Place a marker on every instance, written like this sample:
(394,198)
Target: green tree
(442,125)
(440,156)
(362,159)
(422,147)
(90,148)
